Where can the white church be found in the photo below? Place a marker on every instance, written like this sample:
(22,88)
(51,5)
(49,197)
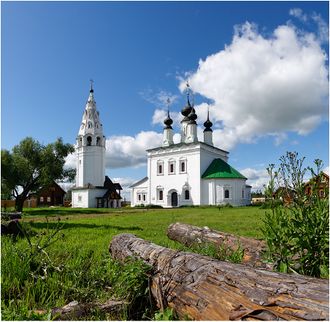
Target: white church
(190,172)
(93,189)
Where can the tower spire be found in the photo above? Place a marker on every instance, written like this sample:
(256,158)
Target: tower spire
(168,130)
(208,136)
(92,82)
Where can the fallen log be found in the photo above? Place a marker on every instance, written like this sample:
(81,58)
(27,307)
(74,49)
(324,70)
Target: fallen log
(253,249)
(201,288)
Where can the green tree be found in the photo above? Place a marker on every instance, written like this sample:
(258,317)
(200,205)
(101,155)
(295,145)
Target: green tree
(31,165)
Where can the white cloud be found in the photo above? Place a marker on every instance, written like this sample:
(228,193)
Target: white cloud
(70,161)
(322,26)
(264,86)
(125,184)
(160,115)
(256,178)
(298,13)
(130,151)
(159,99)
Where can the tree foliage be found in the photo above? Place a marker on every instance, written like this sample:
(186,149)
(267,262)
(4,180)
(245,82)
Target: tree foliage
(297,234)
(31,166)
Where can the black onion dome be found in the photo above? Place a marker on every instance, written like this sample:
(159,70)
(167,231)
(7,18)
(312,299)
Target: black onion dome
(168,121)
(208,124)
(187,109)
(192,116)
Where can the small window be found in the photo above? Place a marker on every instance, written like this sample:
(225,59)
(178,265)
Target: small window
(79,198)
(186,195)
(89,140)
(183,166)
(171,167)
(41,199)
(49,199)
(139,197)
(98,141)
(160,195)
(160,168)
(321,193)
(226,193)
(242,193)
(144,197)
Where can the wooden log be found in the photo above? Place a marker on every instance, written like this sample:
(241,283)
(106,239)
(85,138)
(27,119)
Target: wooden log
(253,249)
(201,288)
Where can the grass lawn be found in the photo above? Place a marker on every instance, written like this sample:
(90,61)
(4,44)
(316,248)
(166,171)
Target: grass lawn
(78,266)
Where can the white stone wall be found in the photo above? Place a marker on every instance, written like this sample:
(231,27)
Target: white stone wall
(215,192)
(86,198)
(90,165)
(141,190)
(178,181)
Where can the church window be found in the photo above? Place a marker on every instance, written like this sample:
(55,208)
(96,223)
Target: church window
(144,197)
(49,199)
(79,198)
(160,194)
(171,167)
(89,140)
(98,141)
(186,195)
(243,193)
(183,166)
(41,199)
(139,197)
(226,193)
(80,142)
(321,193)
(90,125)
(160,168)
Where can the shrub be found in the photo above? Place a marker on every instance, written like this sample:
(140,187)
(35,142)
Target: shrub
(297,235)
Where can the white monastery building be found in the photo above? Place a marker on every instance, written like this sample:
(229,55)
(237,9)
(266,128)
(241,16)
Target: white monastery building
(93,189)
(190,172)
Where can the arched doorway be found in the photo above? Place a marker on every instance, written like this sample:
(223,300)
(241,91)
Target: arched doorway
(174,199)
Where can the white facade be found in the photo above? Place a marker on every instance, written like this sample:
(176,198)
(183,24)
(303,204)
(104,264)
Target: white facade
(175,171)
(174,179)
(90,166)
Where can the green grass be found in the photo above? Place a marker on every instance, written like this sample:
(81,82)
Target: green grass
(78,266)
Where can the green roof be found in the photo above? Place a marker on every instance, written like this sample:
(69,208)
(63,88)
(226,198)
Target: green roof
(220,169)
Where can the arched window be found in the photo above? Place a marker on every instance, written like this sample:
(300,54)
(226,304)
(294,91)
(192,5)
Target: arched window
(89,140)
(226,193)
(98,141)
(187,195)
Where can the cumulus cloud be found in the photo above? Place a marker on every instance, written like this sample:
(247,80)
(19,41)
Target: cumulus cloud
(160,115)
(130,151)
(125,183)
(257,178)
(264,86)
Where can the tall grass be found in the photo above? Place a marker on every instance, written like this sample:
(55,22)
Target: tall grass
(78,265)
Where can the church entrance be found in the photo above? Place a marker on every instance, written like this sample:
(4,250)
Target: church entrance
(174,199)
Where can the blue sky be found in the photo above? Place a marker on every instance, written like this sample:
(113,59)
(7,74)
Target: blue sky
(241,58)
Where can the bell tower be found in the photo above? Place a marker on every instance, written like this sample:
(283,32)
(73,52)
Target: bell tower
(90,147)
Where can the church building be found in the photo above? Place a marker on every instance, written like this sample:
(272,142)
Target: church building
(190,172)
(93,189)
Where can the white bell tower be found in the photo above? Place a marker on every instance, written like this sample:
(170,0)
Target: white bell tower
(90,147)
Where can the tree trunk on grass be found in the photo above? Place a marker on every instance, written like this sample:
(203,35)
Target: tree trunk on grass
(201,288)
(192,235)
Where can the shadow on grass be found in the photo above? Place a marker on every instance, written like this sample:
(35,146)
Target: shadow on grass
(64,211)
(65,225)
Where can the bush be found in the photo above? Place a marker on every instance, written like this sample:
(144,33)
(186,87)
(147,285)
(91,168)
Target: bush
(298,235)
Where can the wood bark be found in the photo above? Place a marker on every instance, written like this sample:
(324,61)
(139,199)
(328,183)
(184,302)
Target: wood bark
(189,235)
(201,288)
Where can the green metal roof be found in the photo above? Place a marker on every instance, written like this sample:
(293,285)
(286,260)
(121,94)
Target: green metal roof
(220,169)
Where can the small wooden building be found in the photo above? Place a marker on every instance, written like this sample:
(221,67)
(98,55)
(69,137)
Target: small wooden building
(51,195)
(319,183)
